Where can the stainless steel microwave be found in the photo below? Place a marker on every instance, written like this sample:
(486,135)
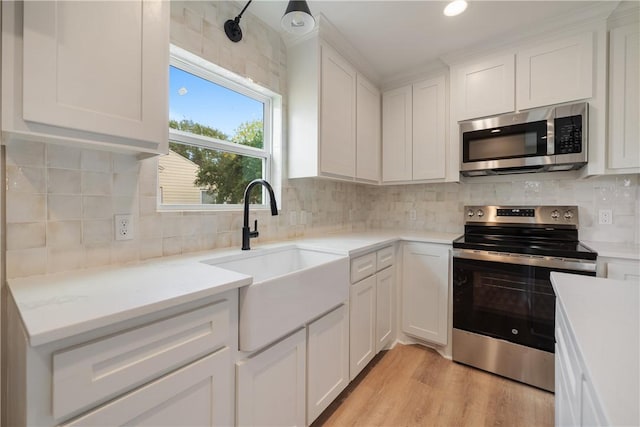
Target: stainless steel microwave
(538,140)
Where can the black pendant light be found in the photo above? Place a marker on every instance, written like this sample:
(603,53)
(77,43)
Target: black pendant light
(297,19)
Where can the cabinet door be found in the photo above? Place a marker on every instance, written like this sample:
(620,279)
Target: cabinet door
(368,131)
(200,394)
(384,307)
(624,92)
(560,71)
(425,285)
(328,360)
(271,385)
(485,88)
(338,115)
(623,271)
(100,67)
(397,131)
(362,325)
(429,143)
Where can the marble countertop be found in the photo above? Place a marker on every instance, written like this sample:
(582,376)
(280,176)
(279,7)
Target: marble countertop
(603,316)
(61,305)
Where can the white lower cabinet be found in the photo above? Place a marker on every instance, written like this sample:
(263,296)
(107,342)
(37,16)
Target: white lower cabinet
(327,360)
(196,395)
(362,325)
(370,307)
(576,403)
(384,311)
(271,385)
(425,290)
(173,367)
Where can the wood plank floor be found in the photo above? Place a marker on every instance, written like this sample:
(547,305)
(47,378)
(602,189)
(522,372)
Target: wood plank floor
(411,385)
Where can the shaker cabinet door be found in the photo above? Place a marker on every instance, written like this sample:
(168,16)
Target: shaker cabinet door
(397,131)
(485,88)
(624,95)
(362,325)
(338,116)
(99,67)
(425,291)
(556,72)
(429,143)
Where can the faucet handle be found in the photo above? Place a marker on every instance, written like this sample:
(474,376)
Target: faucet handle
(254,233)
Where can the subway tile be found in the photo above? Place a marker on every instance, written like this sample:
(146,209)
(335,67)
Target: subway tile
(25,207)
(26,235)
(62,207)
(64,234)
(65,258)
(63,157)
(96,161)
(63,181)
(26,262)
(96,183)
(25,153)
(25,179)
(97,231)
(96,207)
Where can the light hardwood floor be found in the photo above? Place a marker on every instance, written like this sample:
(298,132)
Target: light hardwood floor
(414,386)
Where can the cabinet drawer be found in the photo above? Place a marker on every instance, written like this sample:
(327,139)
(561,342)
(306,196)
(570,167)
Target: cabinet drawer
(384,258)
(362,267)
(204,387)
(97,371)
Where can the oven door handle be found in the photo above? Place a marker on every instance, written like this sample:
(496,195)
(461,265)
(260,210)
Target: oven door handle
(523,259)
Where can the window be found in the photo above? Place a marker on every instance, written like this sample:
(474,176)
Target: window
(220,136)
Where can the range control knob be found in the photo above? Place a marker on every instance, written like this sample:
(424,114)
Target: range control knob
(480,213)
(470,213)
(568,215)
(555,214)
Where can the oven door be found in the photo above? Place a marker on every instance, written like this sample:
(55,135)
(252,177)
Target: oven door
(508,297)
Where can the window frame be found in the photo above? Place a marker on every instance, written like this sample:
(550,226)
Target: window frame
(204,69)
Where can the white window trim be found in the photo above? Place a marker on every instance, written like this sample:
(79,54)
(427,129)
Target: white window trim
(272,131)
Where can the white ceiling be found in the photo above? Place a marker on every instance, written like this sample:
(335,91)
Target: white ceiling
(396,37)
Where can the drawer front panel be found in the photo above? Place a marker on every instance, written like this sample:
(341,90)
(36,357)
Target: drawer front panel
(102,369)
(384,258)
(362,267)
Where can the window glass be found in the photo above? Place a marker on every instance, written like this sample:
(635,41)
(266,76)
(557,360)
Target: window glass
(219,139)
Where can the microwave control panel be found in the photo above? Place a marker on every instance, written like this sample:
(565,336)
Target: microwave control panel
(568,135)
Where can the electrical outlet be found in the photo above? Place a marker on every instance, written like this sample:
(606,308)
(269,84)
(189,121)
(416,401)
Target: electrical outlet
(292,218)
(412,214)
(605,216)
(123,227)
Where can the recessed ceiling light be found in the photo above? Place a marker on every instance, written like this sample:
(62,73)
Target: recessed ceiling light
(454,8)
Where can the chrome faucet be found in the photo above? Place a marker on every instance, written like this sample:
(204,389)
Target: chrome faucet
(246,231)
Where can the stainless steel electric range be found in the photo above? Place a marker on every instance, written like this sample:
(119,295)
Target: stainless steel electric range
(503,301)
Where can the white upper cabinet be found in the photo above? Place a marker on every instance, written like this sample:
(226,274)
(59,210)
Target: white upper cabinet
(414,143)
(368,131)
(397,140)
(624,92)
(338,115)
(334,115)
(89,72)
(429,142)
(484,88)
(555,72)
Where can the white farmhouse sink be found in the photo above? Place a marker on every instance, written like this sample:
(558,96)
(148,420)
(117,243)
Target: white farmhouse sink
(291,286)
